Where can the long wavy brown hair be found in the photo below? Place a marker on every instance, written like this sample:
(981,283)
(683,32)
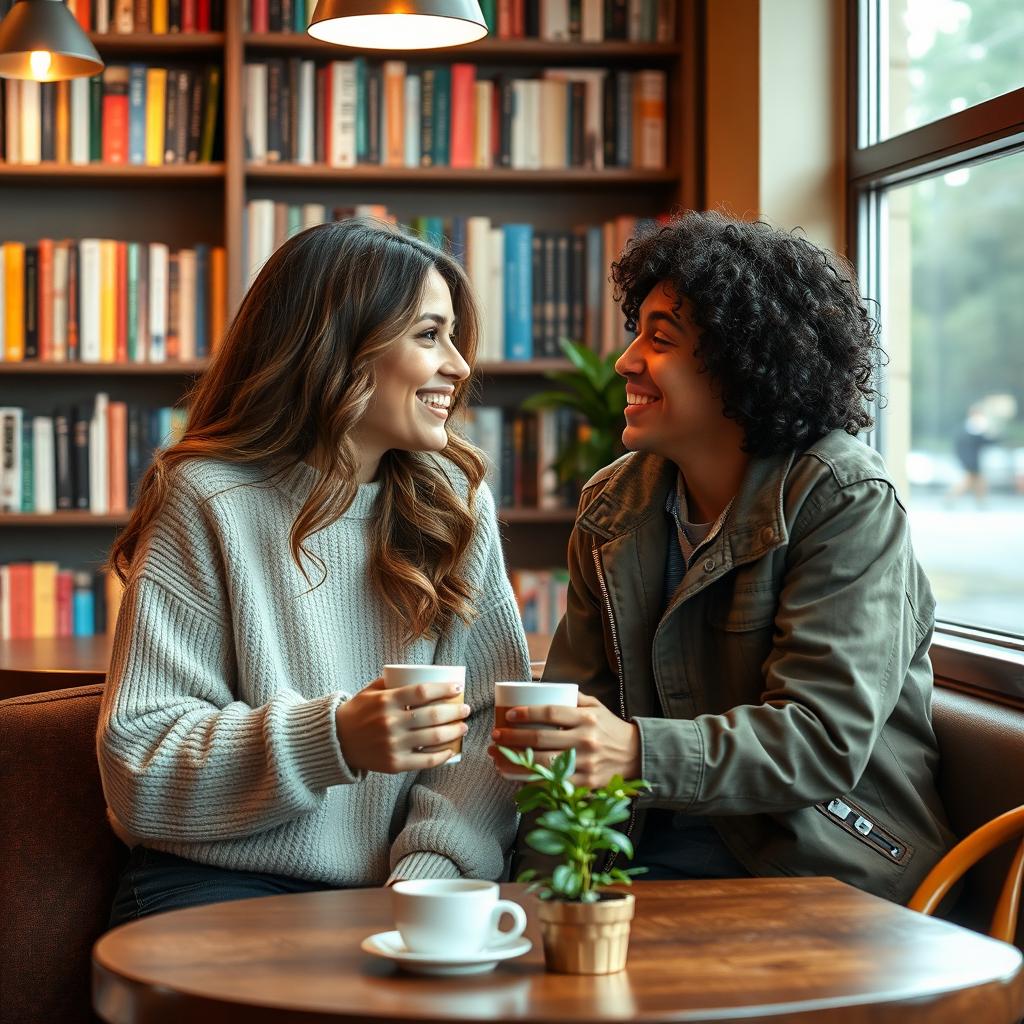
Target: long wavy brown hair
(295,374)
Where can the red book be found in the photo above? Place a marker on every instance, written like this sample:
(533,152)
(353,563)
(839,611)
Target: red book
(463,116)
(73,252)
(115,115)
(121,301)
(65,603)
(504,19)
(19,576)
(260,16)
(518,19)
(203,16)
(188,15)
(82,9)
(45,314)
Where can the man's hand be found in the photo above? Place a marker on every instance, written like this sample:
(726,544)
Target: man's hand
(400,730)
(605,744)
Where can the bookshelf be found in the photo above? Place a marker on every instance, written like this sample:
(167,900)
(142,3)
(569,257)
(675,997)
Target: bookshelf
(185,204)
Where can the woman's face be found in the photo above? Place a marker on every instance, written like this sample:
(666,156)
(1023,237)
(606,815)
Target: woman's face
(416,380)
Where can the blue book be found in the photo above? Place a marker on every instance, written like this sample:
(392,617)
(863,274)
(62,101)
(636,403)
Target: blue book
(434,231)
(83,611)
(362,122)
(202,300)
(137,114)
(459,240)
(518,291)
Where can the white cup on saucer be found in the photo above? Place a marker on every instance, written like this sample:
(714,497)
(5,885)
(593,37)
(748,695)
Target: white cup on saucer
(453,917)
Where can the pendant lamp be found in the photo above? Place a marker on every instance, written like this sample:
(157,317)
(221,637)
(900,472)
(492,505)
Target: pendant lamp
(41,40)
(398,24)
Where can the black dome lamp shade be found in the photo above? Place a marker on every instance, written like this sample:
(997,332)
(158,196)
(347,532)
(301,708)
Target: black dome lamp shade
(41,40)
(398,24)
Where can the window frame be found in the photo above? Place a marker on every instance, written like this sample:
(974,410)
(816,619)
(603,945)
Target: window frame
(973,658)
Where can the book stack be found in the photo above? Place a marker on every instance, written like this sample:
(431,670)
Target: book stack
(129,114)
(542,596)
(80,458)
(393,114)
(124,17)
(585,21)
(536,287)
(40,599)
(104,301)
(521,449)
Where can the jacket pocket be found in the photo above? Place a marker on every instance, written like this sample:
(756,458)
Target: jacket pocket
(746,608)
(855,821)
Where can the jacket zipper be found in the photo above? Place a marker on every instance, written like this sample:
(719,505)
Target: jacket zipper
(622,682)
(857,823)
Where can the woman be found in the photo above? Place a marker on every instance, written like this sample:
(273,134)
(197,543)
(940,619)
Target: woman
(316,522)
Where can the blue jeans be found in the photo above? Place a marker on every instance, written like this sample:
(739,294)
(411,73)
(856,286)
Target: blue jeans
(153,881)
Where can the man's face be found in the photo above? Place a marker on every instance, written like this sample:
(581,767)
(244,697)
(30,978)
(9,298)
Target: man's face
(671,403)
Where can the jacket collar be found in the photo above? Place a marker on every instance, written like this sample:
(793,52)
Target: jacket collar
(637,488)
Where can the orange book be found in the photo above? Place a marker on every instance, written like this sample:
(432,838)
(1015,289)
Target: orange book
(82,10)
(394,113)
(14,301)
(115,114)
(218,297)
(65,603)
(45,319)
(463,115)
(158,17)
(62,134)
(108,300)
(19,591)
(117,457)
(121,302)
(44,599)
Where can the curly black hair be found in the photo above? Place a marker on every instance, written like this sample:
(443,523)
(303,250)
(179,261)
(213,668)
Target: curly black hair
(784,332)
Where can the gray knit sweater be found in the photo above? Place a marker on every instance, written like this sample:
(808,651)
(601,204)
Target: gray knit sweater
(217,738)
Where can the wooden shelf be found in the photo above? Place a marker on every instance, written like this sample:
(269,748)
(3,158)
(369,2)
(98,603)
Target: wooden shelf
(115,44)
(525,51)
(522,367)
(537,515)
(65,174)
(372,174)
(33,368)
(9,519)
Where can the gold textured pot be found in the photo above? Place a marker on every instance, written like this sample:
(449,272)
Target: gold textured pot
(586,938)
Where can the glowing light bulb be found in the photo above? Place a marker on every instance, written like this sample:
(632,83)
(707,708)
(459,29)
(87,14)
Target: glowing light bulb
(40,61)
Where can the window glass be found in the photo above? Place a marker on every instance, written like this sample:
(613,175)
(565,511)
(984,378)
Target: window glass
(953,428)
(943,56)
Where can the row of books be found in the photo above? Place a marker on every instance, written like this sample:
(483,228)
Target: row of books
(40,599)
(587,21)
(129,114)
(521,449)
(87,457)
(104,301)
(123,17)
(393,114)
(542,595)
(535,287)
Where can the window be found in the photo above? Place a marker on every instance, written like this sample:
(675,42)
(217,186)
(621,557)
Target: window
(937,197)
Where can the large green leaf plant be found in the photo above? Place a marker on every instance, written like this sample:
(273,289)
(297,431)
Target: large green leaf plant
(576,825)
(598,394)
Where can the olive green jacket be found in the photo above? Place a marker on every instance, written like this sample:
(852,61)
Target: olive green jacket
(791,664)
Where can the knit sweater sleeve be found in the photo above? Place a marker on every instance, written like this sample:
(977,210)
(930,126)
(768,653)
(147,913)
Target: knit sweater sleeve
(462,817)
(183,757)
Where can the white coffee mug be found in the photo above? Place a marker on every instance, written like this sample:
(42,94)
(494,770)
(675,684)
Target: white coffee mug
(408,675)
(530,695)
(456,917)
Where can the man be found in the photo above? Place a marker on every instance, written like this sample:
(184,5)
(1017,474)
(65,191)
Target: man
(746,617)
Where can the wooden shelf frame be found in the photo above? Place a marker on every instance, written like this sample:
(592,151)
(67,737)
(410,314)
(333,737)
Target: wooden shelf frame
(35,368)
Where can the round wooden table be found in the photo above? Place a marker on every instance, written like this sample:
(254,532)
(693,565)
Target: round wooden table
(805,949)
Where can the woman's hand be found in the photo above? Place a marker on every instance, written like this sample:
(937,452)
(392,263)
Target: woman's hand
(605,744)
(402,729)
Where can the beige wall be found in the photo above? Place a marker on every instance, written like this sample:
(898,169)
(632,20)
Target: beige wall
(775,113)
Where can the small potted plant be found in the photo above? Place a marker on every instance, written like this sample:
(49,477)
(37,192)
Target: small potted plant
(585,930)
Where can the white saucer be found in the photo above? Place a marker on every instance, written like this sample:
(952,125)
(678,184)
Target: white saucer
(390,946)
